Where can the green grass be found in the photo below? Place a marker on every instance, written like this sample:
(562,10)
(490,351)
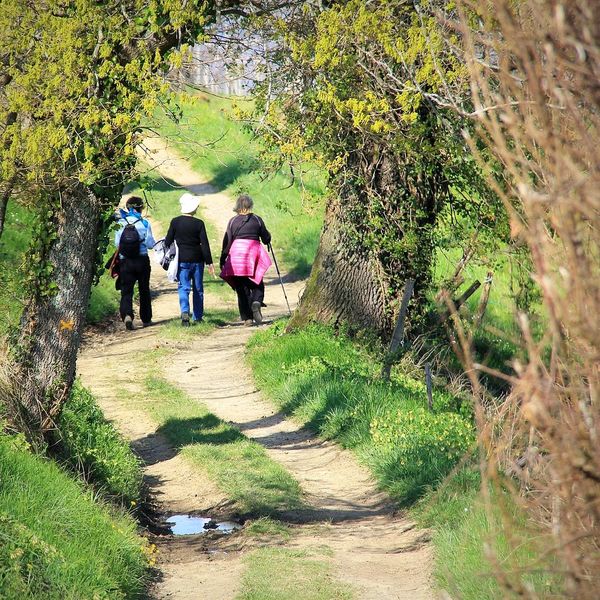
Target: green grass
(226,153)
(266,527)
(461,530)
(56,541)
(91,445)
(239,466)
(13,247)
(286,574)
(331,385)
(172,330)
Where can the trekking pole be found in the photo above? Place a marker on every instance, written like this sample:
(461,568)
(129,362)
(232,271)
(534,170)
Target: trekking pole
(280,280)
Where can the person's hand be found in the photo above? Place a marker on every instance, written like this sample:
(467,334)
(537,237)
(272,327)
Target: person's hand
(211,270)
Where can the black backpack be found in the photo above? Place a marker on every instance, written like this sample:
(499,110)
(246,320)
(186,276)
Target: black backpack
(129,246)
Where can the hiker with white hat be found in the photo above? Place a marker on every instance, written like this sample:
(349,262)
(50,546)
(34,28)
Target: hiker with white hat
(189,233)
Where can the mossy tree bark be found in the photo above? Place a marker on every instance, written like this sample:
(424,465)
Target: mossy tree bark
(377,235)
(53,318)
(347,284)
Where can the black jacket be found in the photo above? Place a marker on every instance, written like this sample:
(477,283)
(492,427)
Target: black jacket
(191,238)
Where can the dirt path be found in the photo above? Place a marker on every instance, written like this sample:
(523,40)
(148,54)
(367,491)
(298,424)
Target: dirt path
(380,554)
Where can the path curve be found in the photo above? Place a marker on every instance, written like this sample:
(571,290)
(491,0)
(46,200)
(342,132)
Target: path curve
(382,555)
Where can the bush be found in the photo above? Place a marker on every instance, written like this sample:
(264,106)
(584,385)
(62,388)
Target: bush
(92,446)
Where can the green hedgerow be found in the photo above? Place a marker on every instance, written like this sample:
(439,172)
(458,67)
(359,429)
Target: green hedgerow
(91,445)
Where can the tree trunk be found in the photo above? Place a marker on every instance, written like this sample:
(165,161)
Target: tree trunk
(52,323)
(3,206)
(376,237)
(346,283)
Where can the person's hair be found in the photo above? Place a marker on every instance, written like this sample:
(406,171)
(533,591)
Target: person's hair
(135,202)
(244,202)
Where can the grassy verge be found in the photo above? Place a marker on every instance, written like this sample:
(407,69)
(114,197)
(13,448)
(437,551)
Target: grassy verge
(462,528)
(90,445)
(224,152)
(332,386)
(286,574)
(240,467)
(56,541)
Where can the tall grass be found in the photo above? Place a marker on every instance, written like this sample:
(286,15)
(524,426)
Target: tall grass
(56,541)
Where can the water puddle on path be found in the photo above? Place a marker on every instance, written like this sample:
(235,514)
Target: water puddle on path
(191,525)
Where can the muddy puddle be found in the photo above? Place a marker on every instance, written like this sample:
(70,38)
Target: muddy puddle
(193,525)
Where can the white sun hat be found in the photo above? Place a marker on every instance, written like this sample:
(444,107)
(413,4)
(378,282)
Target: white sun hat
(189,203)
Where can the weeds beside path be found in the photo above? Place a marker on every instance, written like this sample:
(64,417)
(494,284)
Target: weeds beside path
(343,540)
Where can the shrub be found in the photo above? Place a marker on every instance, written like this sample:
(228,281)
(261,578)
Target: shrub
(92,446)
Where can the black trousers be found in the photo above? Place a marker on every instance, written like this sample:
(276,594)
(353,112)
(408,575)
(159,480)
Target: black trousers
(248,292)
(135,270)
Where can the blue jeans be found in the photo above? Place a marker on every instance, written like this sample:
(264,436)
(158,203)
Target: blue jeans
(190,279)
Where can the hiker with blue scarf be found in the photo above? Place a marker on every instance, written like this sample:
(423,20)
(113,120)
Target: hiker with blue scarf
(133,239)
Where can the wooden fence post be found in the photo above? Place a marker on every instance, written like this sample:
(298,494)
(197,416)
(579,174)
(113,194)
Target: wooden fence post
(398,335)
(485,296)
(429,384)
(456,304)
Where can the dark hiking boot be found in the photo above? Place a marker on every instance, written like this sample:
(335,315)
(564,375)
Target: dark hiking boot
(185,319)
(256,314)
(147,324)
(128,323)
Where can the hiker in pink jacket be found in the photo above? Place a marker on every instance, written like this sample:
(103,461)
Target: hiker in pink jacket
(244,260)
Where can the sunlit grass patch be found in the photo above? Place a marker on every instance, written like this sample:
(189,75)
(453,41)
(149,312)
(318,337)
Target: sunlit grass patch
(463,528)
(239,466)
(173,329)
(286,574)
(266,527)
(56,540)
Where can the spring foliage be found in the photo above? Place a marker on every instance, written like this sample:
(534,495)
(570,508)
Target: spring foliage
(365,89)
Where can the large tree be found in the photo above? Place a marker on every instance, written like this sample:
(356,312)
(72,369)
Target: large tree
(368,89)
(76,80)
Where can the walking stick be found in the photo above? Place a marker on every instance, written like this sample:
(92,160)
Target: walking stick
(280,280)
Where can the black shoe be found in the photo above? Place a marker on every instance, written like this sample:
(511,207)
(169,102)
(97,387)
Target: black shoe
(128,323)
(256,314)
(147,324)
(185,319)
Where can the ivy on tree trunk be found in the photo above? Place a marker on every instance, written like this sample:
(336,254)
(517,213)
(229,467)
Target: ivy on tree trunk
(54,316)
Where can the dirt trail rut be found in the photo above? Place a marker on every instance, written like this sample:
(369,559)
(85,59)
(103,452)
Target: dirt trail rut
(383,556)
